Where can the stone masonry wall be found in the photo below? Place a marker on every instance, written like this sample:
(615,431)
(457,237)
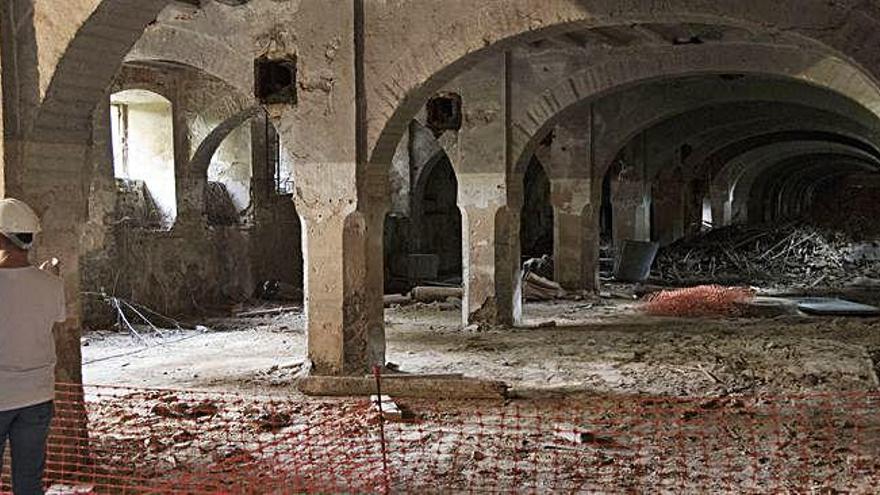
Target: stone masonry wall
(191,266)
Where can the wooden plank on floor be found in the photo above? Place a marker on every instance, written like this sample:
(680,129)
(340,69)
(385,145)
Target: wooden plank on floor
(423,388)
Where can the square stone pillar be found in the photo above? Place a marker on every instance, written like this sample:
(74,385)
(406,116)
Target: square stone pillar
(56,190)
(189,183)
(340,198)
(575,234)
(490,251)
(631,208)
(263,168)
(722,206)
(2,138)
(343,276)
(668,200)
(631,196)
(575,205)
(489,198)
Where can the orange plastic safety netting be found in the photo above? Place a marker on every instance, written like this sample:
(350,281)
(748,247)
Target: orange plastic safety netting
(164,441)
(704,300)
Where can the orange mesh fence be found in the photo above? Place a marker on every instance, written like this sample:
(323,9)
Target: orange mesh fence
(147,441)
(704,300)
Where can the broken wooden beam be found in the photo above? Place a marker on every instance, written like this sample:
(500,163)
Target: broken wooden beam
(421,388)
(396,300)
(435,294)
(268,312)
(419,376)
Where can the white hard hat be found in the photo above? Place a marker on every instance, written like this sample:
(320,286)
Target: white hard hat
(17,218)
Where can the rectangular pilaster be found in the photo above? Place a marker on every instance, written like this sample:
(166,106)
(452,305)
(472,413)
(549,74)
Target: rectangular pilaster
(489,199)
(2,135)
(335,198)
(669,215)
(490,237)
(631,198)
(575,206)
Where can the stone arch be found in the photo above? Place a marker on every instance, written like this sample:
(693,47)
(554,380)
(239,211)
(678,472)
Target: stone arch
(723,173)
(667,205)
(145,149)
(439,167)
(782,189)
(57,142)
(683,111)
(205,53)
(201,159)
(715,164)
(791,195)
(426,170)
(718,139)
(81,77)
(757,160)
(55,150)
(405,81)
(809,67)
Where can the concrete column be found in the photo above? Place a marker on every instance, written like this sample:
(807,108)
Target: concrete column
(490,238)
(722,211)
(2,135)
(263,169)
(47,172)
(342,249)
(668,200)
(489,199)
(631,208)
(58,196)
(340,198)
(631,196)
(716,202)
(189,183)
(693,207)
(575,205)
(377,204)
(575,234)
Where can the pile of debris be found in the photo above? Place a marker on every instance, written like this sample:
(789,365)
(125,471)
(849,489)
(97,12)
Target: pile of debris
(795,254)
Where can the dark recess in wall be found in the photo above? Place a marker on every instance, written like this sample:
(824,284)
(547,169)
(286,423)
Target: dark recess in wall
(275,80)
(444,113)
(536,230)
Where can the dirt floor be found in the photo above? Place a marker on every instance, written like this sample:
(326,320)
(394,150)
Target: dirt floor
(601,346)
(621,402)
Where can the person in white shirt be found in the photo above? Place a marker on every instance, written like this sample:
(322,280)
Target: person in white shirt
(31,302)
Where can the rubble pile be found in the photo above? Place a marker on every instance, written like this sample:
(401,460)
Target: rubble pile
(795,254)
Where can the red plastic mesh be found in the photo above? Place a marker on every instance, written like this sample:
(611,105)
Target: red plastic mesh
(704,300)
(148,441)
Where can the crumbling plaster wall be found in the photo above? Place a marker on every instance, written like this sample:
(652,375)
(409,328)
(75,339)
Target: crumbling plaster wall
(194,264)
(57,23)
(397,83)
(469,27)
(205,104)
(232,165)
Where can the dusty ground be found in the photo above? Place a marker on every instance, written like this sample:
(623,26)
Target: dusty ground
(618,438)
(601,346)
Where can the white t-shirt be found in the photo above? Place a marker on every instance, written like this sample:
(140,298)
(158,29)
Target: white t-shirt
(31,302)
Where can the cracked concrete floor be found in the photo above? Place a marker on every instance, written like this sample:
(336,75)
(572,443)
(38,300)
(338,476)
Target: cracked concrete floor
(603,347)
